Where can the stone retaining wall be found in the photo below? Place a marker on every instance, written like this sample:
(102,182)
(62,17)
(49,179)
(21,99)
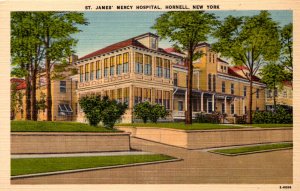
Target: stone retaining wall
(25,143)
(199,139)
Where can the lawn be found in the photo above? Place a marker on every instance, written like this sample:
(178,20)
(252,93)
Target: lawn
(182,126)
(202,126)
(41,165)
(250,149)
(49,126)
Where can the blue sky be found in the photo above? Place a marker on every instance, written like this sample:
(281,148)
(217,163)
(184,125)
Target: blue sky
(106,28)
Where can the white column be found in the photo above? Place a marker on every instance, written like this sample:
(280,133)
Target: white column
(225,104)
(202,110)
(213,102)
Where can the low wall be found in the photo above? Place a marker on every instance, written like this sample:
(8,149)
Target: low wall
(199,139)
(24,143)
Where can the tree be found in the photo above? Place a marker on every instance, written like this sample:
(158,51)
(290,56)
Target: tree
(142,111)
(249,42)
(273,75)
(286,37)
(58,42)
(157,111)
(97,109)
(186,30)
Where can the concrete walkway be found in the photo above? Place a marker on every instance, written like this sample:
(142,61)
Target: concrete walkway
(196,168)
(80,154)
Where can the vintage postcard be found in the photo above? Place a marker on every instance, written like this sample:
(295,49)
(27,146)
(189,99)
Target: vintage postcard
(137,95)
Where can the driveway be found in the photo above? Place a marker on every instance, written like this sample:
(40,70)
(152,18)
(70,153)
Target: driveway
(198,167)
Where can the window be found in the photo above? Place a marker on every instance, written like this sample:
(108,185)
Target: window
(159,66)
(153,43)
(245,91)
(98,69)
(138,63)
(105,67)
(81,73)
(147,94)
(125,62)
(180,105)
(209,58)
(158,97)
(269,93)
(87,73)
(137,95)
(284,94)
(63,86)
(126,95)
(232,88)
(209,82)
(112,66)
(148,65)
(166,101)
(214,82)
(112,94)
(223,87)
(257,93)
(76,85)
(167,66)
(119,64)
(64,109)
(209,104)
(175,79)
(92,71)
(232,108)
(223,108)
(119,95)
(222,68)
(213,57)
(275,92)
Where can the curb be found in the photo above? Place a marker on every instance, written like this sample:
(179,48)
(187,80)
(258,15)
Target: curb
(254,152)
(90,169)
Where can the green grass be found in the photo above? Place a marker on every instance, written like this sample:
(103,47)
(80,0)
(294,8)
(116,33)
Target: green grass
(182,126)
(49,126)
(249,149)
(40,165)
(270,125)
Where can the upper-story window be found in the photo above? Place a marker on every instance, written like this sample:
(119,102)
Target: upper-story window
(284,93)
(98,69)
(148,65)
(92,70)
(125,62)
(167,65)
(209,57)
(214,82)
(138,63)
(119,64)
(269,93)
(105,67)
(153,43)
(81,73)
(209,82)
(245,90)
(175,79)
(159,62)
(223,87)
(87,73)
(112,66)
(213,58)
(62,86)
(257,93)
(232,88)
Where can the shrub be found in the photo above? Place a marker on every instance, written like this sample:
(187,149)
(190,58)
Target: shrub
(214,117)
(241,119)
(97,109)
(142,111)
(278,116)
(157,111)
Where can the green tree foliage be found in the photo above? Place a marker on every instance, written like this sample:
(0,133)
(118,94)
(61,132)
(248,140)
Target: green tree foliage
(186,30)
(97,109)
(249,42)
(286,36)
(142,111)
(280,116)
(157,111)
(273,75)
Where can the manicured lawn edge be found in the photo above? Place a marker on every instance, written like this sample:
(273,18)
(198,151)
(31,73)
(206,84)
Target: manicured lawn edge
(96,168)
(217,151)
